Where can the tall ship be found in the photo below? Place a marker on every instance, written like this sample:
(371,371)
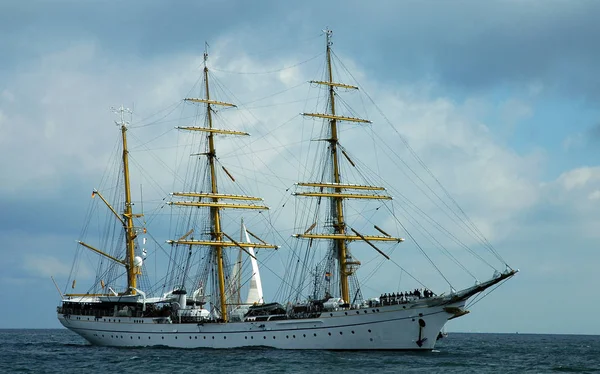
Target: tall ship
(211,295)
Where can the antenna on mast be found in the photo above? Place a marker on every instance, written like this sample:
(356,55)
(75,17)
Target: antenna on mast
(329,33)
(121,111)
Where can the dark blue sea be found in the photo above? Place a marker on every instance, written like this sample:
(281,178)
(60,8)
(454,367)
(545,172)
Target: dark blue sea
(61,351)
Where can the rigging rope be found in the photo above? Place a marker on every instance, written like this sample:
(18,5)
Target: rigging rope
(470,224)
(270,71)
(478,299)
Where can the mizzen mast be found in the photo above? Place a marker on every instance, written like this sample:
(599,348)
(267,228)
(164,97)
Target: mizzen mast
(346,264)
(128,215)
(213,200)
(131,264)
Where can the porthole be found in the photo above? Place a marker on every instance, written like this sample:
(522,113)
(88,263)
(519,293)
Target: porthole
(346,313)
(287,336)
(331,314)
(213,337)
(353,331)
(252,337)
(245,337)
(304,335)
(365,312)
(358,312)
(294,336)
(371,339)
(224,337)
(273,337)
(341,333)
(329,333)
(315,334)
(369,330)
(264,337)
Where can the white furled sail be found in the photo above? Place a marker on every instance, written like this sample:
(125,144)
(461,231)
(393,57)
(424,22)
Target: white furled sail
(255,292)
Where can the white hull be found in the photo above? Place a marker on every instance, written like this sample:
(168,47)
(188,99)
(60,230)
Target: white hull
(396,327)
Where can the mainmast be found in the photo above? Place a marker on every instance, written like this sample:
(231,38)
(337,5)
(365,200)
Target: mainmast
(217,241)
(336,194)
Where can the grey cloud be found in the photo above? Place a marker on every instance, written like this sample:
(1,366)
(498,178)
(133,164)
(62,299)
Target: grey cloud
(475,45)
(594,132)
(466,45)
(59,212)
(144,28)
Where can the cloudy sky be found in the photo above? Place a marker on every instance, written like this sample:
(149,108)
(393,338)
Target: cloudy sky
(499,98)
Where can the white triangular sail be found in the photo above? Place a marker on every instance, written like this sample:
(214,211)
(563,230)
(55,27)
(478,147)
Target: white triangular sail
(255,292)
(236,274)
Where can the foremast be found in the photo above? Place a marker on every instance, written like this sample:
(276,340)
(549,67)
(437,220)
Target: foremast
(340,237)
(215,210)
(215,204)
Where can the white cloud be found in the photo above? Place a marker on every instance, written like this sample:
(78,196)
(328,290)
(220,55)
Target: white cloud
(72,128)
(514,110)
(45,266)
(594,195)
(58,110)
(574,195)
(573,141)
(7,96)
(579,178)
(493,182)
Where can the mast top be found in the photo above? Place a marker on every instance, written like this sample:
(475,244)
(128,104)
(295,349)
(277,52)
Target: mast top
(329,34)
(121,111)
(205,55)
